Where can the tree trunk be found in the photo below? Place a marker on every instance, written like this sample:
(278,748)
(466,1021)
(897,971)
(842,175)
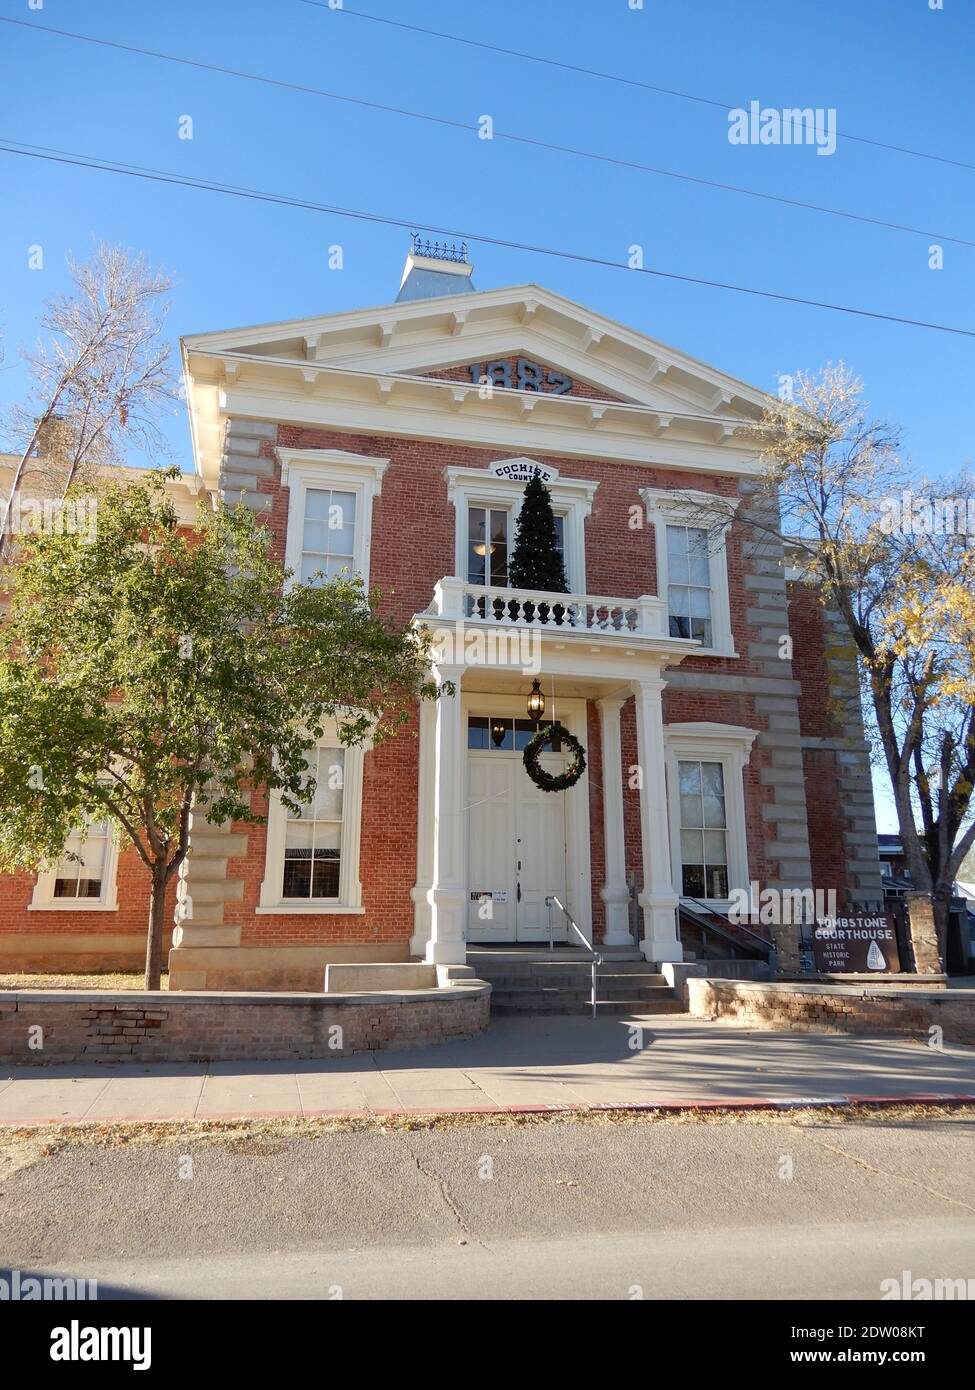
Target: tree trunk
(940,909)
(157,914)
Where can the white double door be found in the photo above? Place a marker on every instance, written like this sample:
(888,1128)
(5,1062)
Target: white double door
(516,849)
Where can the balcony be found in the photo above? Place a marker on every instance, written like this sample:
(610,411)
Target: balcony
(556,615)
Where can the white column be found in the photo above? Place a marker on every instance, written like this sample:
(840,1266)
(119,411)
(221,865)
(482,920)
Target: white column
(658,900)
(447,894)
(426,782)
(614,892)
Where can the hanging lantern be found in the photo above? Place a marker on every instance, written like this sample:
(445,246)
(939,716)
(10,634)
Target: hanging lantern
(536,702)
(498,732)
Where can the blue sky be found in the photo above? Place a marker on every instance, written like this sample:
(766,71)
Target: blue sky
(894,70)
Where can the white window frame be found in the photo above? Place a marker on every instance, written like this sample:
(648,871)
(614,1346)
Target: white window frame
(479,487)
(349,901)
(362,474)
(43,899)
(727,744)
(681,509)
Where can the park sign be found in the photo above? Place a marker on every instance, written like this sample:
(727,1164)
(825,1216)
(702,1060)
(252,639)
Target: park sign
(856,945)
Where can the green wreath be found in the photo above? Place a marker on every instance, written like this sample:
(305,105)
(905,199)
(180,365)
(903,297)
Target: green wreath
(574,768)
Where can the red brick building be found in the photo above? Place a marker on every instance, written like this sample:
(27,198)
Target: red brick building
(397,441)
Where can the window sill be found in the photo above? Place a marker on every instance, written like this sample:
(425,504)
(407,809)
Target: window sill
(721,905)
(313,910)
(726,655)
(80,905)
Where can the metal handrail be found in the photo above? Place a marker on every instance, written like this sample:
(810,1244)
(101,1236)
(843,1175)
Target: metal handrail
(763,941)
(597,959)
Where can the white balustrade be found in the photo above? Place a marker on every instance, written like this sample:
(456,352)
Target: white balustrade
(519,608)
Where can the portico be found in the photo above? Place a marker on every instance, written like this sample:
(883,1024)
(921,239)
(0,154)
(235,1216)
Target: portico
(480,814)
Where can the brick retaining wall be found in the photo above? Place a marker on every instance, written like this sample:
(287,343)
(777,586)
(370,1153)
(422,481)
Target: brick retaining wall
(818,1008)
(86,1026)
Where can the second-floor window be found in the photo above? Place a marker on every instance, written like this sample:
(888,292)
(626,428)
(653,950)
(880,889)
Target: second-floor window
(490,539)
(328,542)
(689,583)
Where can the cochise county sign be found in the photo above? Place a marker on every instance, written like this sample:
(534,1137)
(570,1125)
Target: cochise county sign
(855,945)
(520,375)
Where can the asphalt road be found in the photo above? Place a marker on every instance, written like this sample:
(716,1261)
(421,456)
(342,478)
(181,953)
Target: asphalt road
(566,1210)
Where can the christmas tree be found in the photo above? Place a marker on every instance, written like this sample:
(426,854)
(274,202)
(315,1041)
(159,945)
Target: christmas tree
(535,561)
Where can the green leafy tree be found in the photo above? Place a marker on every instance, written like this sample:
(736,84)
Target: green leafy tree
(151,665)
(536,562)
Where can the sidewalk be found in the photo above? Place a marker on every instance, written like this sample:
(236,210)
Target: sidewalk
(518,1064)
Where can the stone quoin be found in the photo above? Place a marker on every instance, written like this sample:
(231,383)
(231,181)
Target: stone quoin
(396,442)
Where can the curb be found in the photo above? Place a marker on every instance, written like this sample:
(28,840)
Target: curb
(556,1108)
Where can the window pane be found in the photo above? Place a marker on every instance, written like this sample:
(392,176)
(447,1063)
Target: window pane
(677,554)
(701,631)
(698,560)
(315,536)
(692,881)
(717,881)
(476,572)
(700,602)
(525,731)
(477,732)
(692,846)
(341,512)
(499,549)
(502,734)
(689,776)
(715,847)
(310,567)
(331,778)
(560,534)
(317,504)
(325,879)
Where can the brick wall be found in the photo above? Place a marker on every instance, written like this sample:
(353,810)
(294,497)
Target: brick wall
(406,565)
(201,1028)
(817,1008)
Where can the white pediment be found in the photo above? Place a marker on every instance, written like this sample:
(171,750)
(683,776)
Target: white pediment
(428,336)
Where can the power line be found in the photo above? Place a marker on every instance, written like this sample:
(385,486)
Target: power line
(47,154)
(512,136)
(608,76)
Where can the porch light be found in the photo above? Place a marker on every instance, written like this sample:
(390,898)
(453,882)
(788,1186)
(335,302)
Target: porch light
(497,734)
(536,702)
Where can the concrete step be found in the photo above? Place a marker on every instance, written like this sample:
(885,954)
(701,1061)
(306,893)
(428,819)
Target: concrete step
(575,980)
(561,1006)
(505,1003)
(617,987)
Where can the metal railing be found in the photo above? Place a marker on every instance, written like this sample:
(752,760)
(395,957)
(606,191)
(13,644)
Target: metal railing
(763,944)
(597,959)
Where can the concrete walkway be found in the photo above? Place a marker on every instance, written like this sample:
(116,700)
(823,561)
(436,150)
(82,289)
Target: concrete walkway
(517,1064)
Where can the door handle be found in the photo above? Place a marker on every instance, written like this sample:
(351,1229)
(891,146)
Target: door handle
(518,891)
